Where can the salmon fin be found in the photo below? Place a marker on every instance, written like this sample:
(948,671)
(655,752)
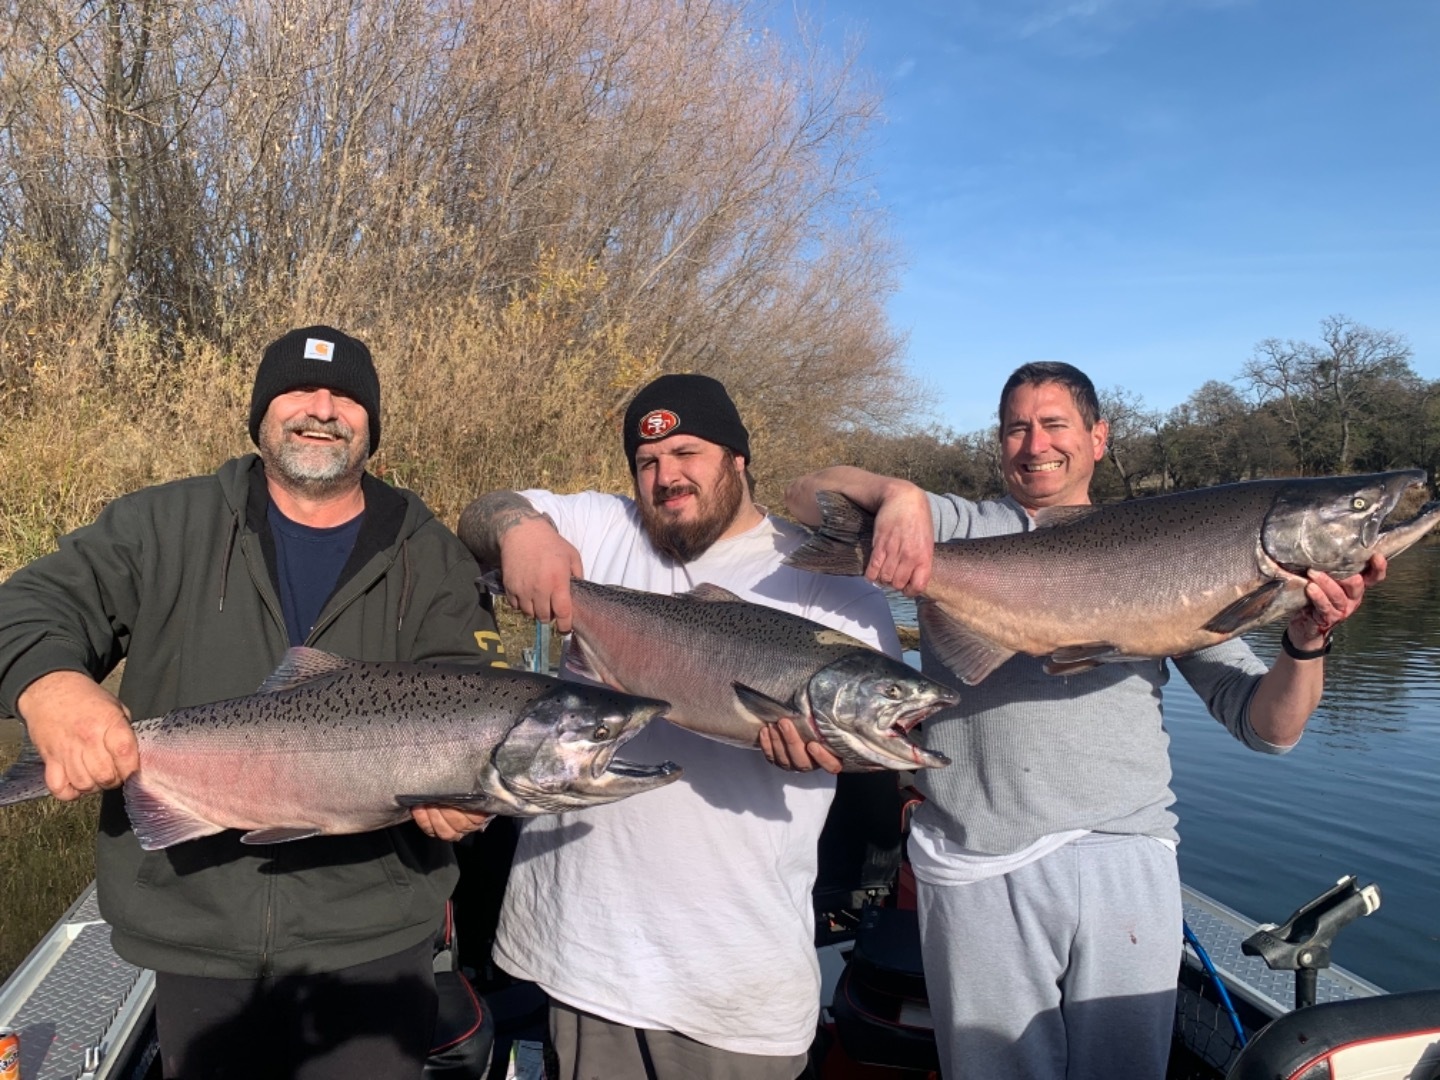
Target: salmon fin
(1070,659)
(711,593)
(1052,668)
(1246,611)
(159,824)
(765,707)
(299,666)
(575,662)
(279,835)
(842,543)
(970,655)
(474,802)
(1047,517)
(24,780)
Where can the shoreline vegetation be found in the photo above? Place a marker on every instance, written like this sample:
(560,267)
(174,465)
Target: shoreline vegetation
(527,210)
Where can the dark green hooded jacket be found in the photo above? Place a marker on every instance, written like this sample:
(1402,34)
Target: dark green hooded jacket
(178,581)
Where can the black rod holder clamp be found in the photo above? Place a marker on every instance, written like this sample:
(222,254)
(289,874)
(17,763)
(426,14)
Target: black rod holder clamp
(1302,945)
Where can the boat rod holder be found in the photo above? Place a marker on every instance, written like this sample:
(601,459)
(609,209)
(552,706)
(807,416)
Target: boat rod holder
(1302,945)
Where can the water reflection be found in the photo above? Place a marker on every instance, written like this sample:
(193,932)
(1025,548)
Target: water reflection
(1360,794)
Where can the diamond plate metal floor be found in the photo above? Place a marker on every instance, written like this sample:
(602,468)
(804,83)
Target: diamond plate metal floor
(73,995)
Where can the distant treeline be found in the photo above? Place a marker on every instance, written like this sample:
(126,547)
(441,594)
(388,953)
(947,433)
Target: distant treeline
(1349,402)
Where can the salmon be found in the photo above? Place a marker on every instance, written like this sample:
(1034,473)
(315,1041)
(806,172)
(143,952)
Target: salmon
(728,667)
(329,746)
(1147,578)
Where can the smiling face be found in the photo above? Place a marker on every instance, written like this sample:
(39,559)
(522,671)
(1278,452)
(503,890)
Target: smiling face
(315,440)
(691,492)
(1047,453)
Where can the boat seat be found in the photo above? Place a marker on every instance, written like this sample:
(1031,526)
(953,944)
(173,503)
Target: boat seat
(464,1027)
(882,1014)
(1390,1037)
(464,1031)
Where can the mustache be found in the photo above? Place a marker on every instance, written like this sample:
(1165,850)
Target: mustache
(337,429)
(674,491)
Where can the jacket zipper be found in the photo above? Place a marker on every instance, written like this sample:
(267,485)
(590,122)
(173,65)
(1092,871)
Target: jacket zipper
(262,586)
(271,605)
(359,586)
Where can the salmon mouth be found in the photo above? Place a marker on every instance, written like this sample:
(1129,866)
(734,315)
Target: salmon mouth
(1427,511)
(901,727)
(630,770)
(607,767)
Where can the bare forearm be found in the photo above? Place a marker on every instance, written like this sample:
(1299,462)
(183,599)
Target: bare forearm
(1291,690)
(484,523)
(1286,698)
(866,489)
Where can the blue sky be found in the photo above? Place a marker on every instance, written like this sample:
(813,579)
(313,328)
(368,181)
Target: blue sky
(1147,188)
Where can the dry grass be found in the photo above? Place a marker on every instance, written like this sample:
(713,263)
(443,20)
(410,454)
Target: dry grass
(47,856)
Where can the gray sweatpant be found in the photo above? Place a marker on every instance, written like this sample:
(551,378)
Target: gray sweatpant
(1063,970)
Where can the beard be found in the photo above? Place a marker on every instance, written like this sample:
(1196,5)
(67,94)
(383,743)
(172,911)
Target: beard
(685,541)
(315,471)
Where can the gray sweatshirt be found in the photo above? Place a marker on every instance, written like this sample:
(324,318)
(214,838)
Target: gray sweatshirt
(1036,754)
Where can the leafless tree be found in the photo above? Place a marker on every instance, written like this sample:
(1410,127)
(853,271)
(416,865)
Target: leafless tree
(1322,391)
(1130,443)
(532,206)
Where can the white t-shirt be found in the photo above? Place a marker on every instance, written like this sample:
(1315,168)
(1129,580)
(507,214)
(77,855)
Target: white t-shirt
(687,908)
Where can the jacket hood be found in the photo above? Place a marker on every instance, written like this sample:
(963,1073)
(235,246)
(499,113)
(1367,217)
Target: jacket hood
(403,512)
(392,516)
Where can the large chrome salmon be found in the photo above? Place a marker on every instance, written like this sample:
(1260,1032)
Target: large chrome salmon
(1154,577)
(727,667)
(329,745)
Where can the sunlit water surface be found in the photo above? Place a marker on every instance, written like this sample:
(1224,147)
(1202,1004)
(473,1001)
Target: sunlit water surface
(1359,795)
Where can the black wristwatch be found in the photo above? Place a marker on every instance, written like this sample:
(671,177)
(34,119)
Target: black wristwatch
(1303,654)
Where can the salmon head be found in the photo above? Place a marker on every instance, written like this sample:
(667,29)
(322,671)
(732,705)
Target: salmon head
(562,754)
(1335,523)
(865,705)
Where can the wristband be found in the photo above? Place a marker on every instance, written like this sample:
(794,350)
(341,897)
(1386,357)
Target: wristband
(1303,654)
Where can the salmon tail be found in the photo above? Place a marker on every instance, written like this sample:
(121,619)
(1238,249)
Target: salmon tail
(25,780)
(842,543)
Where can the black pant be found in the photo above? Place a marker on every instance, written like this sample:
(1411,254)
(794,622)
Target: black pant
(370,1020)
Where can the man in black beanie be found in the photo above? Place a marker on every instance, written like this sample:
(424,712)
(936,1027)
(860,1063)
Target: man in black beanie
(674,935)
(311,958)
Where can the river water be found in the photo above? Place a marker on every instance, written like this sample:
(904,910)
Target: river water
(1359,795)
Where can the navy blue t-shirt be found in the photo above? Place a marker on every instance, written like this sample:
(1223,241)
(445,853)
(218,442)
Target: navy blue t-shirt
(308,562)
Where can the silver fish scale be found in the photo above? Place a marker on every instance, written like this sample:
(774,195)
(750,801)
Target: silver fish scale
(353,707)
(745,632)
(1194,523)
(1117,558)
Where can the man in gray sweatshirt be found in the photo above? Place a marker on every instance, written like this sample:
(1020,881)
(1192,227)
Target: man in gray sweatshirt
(1049,892)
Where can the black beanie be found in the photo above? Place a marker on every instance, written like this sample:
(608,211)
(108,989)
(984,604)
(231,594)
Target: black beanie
(684,405)
(318,356)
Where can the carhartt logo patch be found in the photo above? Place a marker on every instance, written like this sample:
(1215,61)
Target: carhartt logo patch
(318,349)
(658,423)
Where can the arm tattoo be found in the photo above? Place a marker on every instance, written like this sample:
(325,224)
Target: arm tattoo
(489,518)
